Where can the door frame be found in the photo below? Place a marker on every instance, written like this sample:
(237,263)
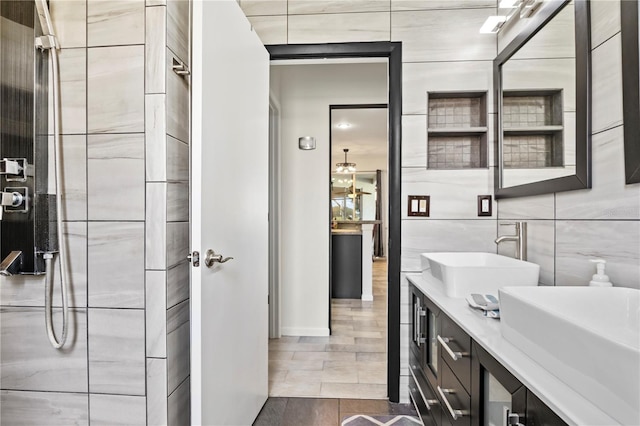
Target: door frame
(274,219)
(392,51)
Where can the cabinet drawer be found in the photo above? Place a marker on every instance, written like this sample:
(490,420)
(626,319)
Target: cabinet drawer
(414,365)
(419,403)
(455,350)
(429,400)
(456,402)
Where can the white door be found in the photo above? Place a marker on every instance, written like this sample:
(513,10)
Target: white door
(229,157)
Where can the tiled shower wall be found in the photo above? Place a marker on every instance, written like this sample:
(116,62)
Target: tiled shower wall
(125,145)
(443,51)
(567,229)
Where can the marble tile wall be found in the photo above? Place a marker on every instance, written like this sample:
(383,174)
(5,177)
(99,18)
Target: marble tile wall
(167,213)
(565,229)
(126,165)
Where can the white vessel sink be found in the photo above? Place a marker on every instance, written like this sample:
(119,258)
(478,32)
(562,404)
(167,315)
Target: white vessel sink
(475,272)
(587,337)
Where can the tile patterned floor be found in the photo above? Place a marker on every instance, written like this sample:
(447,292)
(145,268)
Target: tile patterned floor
(351,363)
(323,411)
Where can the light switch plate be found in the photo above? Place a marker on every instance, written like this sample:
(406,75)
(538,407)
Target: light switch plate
(419,205)
(484,205)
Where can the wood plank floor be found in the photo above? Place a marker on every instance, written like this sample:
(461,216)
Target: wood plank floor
(323,411)
(351,363)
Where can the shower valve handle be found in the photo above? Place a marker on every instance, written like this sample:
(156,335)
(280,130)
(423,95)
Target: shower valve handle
(11,199)
(10,167)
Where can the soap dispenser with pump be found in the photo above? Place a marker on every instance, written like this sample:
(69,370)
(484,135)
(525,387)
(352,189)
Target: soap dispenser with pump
(600,279)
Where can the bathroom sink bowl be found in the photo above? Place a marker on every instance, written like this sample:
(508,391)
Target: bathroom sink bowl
(587,337)
(474,272)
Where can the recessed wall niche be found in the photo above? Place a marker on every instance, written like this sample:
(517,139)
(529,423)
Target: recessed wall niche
(533,128)
(456,130)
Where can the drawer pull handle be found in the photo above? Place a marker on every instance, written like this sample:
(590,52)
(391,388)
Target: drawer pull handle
(430,402)
(418,312)
(454,355)
(427,402)
(456,414)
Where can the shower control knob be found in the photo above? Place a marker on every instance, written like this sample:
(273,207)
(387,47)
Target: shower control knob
(12,199)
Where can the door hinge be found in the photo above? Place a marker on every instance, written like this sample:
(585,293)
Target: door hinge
(194,258)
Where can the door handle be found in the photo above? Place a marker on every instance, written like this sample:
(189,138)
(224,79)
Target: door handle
(212,258)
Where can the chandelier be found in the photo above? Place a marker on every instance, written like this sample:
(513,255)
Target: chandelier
(345,167)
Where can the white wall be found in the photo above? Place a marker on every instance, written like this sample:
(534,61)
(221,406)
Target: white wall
(306,91)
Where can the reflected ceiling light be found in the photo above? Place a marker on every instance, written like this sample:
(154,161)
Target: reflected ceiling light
(343,125)
(345,167)
(526,9)
(493,24)
(508,4)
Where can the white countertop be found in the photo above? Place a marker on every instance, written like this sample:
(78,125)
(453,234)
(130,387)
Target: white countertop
(572,407)
(346,232)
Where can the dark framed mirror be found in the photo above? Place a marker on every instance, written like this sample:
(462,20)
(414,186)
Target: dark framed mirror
(630,90)
(542,80)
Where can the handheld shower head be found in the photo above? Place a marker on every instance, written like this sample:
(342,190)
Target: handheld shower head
(45,18)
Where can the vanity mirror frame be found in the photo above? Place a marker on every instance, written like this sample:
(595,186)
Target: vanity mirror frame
(582,177)
(630,90)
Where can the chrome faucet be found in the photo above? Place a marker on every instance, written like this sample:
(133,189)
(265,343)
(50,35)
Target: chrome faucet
(520,238)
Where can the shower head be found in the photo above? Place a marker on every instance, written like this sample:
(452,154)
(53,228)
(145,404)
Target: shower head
(45,17)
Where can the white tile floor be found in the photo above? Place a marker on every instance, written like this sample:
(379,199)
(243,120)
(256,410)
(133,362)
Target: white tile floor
(351,363)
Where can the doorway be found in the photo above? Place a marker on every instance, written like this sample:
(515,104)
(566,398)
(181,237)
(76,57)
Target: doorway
(391,51)
(359,204)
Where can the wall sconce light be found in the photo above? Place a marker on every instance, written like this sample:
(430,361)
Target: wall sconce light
(307,143)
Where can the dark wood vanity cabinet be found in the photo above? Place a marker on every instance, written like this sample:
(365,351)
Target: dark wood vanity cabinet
(538,414)
(500,394)
(346,266)
(424,355)
(455,382)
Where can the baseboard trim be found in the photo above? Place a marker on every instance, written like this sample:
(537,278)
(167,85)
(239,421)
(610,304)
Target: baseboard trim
(301,331)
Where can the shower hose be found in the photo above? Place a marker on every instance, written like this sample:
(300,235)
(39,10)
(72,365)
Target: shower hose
(47,29)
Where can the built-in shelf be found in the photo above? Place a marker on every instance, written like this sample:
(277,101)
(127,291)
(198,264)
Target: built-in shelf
(457,130)
(533,130)
(532,126)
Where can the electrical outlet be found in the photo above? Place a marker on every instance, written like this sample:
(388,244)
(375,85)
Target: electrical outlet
(484,205)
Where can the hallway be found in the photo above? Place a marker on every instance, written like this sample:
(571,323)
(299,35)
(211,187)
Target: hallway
(351,363)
